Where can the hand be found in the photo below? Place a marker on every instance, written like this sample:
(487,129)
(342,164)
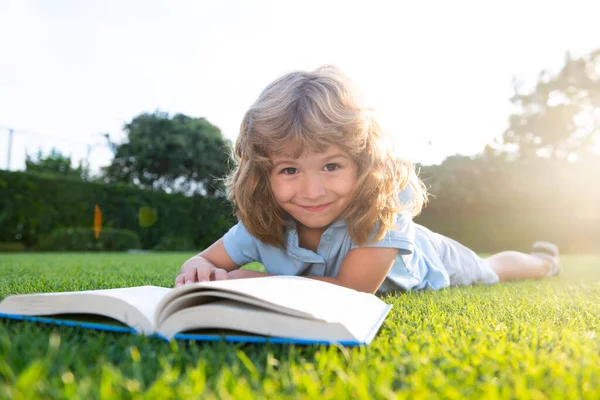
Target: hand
(199,269)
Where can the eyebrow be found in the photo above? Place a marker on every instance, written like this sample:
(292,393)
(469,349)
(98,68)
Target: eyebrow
(336,155)
(290,160)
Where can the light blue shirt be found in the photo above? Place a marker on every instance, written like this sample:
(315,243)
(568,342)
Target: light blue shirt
(417,266)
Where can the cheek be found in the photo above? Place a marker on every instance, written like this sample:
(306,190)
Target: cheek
(348,190)
(347,185)
(281,191)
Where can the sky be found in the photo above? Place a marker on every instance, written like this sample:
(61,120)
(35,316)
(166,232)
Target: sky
(439,73)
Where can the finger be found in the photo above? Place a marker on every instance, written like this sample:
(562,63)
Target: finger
(220,274)
(180,280)
(203,274)
(190,275)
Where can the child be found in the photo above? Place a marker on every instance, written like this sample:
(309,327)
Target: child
(319,193)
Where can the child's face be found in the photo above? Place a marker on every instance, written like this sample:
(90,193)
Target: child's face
(314,188)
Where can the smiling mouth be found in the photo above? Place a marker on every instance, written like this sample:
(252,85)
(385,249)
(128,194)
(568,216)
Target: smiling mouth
(321,207)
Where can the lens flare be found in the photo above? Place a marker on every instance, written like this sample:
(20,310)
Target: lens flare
(147,216)
(97,221)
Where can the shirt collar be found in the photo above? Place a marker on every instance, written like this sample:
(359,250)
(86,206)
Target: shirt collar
(292,241)
(338,223)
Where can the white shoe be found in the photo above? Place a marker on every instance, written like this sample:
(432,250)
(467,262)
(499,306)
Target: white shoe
(548,251)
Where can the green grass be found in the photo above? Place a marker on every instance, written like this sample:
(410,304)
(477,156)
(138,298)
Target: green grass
(536,339)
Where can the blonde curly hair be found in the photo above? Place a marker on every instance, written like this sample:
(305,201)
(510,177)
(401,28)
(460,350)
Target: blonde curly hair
(313,110)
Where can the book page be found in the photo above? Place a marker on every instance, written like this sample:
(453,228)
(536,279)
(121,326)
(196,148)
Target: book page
(321,300)
(143,298)
(133,306)
(232,315)
(323,304)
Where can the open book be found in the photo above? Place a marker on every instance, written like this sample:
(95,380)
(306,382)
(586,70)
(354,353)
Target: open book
(284,309)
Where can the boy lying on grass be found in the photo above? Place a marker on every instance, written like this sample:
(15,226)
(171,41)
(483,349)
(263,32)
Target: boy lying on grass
(319,193)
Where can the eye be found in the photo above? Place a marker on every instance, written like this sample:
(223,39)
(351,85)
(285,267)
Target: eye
(289,171)
(332,167)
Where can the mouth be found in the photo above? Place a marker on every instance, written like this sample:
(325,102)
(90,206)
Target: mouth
(321,207)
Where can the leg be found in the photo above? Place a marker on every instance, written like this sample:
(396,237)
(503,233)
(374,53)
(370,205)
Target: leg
(513,265)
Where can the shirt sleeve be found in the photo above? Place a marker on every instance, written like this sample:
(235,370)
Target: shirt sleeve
(402,236)
(240,246)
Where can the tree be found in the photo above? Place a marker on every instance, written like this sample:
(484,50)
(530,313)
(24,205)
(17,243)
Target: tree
(560,118)
(178,154)
(55,164)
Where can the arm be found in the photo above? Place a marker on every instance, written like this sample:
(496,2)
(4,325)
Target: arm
(211,264)
(217,256)
(363,269)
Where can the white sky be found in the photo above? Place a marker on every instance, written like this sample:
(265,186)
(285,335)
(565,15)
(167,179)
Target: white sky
(436,71)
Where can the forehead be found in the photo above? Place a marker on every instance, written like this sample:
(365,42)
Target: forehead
(290,151)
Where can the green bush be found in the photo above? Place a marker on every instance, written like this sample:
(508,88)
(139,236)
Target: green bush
(83,239)
(175,243)
(12,247)
(32,206)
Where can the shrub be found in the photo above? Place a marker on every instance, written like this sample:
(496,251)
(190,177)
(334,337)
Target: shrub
(83,239)
(175,243)
(11,247)
(32,206)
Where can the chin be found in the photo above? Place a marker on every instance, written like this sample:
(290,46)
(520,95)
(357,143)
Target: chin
(315,224)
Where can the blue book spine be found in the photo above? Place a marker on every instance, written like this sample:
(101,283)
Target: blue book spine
(192,336)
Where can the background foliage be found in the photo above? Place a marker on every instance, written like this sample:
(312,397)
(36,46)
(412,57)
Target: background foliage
(32,206)
(176,154)
(493,205)
(56,164)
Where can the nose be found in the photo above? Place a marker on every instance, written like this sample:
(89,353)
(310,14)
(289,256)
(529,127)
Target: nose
(313,187)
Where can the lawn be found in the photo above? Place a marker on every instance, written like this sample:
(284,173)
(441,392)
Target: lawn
(536,339)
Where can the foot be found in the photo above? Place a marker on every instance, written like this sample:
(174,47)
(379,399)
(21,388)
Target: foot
(548,251)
